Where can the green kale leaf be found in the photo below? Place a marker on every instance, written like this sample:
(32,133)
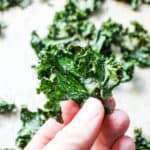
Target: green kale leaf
(5,4)
(141,142)
(5,107)
(133,45)
(139,49)
(76,10)
(2,27)
(88,6)
(135,4)
(31,121)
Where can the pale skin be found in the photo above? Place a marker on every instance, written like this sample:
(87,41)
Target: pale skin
(84,129)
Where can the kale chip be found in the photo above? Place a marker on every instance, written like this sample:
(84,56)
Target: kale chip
(5,4)
(140,141)
(2,27)
(5,107)
(135,4)
(139,49)
(77,10)
(31,121)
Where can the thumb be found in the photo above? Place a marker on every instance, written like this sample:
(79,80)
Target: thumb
(82,131)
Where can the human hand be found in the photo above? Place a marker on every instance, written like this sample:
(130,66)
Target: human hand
(84,129)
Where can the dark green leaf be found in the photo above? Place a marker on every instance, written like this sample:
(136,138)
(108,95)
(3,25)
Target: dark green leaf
(135,4)
(5,4)
(141,142)
(6,107)
(31,121)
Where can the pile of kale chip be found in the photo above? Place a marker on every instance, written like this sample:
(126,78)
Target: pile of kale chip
(6,4)
(6,107)
(135,4)
(77,60)
(140,141)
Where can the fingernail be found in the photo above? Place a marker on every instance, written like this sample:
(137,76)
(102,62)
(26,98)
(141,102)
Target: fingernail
(62,103)
(90,110)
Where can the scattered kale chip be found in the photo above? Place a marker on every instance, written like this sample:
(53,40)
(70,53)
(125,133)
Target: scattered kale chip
(139,50)
(2,27)
(77,10)
(136,3)
(133,44)
(141,142)
(31,121)
(77,60)
(68,70)
(5,107)
(88,6)
(5,4)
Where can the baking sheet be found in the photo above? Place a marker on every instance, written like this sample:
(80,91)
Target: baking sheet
(18,80)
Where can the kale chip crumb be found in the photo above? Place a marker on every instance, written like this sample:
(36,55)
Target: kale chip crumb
(135,4)
(6,107)
(31,121)
(2,27)
(5,4)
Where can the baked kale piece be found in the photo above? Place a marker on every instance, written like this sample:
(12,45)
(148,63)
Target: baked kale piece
(31,121)
(133,44)
(5,107)
(88,6)
(76,10)
(5,4)
(140,141)
(136,3)
(2,27)
(77,73)
(139,49)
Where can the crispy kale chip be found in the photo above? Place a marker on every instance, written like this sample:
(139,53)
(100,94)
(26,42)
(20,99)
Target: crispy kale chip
(139,49)
(76,73)
(77,10)
(134,45)
(111,33)
(141,142)
(88,6)
(5,4)
(2,27)
(135,4)
(6,107)
(31,121)
(68,70)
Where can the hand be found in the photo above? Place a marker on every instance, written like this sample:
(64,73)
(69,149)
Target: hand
(84,129)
